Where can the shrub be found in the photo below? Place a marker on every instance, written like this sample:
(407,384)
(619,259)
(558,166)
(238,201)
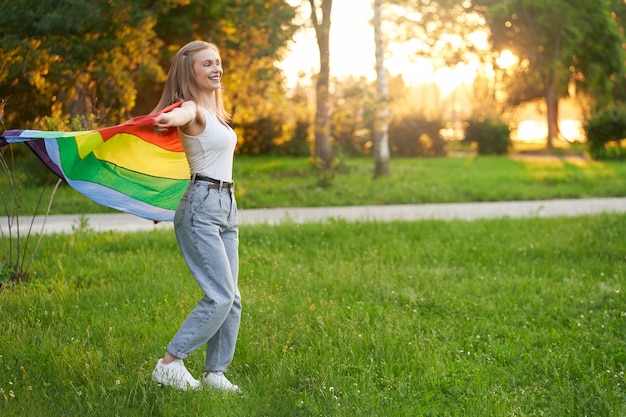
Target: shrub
(417,136)
(491,135)
(299,145)
(28,164)
(259,136)
(605,132)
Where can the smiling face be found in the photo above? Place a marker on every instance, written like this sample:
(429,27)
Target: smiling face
(208,70)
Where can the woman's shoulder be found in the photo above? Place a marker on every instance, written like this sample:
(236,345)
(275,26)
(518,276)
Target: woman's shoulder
(190,105)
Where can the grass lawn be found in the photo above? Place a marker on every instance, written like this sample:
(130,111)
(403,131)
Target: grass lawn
(266,182)
(506,317)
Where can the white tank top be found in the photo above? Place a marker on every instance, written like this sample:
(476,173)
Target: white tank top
(211,153)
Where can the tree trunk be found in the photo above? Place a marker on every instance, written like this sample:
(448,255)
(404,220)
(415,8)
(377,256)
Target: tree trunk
(381,126)
(552,98)
(81,102)
(552,109)
(323,149)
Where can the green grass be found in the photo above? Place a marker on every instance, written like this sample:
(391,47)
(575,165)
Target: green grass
(507,317)
(265,182)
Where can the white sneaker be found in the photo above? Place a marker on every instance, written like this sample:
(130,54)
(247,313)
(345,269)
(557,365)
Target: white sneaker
(218,381)
(174,374)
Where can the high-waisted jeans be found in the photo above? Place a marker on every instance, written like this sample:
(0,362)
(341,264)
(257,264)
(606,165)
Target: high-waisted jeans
(207,232)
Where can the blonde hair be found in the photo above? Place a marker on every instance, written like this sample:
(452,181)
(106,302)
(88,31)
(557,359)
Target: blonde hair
(181,84)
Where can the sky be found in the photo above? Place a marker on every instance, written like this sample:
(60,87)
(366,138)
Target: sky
(352,43)
(352,53)
(352,50)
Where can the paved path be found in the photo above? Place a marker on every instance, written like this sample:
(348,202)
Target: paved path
(462,211)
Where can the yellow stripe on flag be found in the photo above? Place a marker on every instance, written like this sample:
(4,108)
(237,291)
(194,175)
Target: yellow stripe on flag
(86,142)
(130,152)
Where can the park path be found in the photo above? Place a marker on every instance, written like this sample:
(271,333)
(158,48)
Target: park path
(453,211)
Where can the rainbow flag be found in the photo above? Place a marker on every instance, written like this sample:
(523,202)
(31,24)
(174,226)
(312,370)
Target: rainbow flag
(128,167)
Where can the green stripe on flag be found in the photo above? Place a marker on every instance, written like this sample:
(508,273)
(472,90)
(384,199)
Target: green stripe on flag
(159,192)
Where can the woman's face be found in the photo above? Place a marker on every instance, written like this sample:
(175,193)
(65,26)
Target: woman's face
(208,69)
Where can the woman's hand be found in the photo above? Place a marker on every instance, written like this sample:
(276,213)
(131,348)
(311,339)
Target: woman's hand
(161,123)
(178,117)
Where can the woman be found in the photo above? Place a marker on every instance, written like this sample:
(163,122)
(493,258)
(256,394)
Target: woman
(205,222)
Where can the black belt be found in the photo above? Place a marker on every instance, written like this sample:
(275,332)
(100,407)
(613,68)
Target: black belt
(213,183)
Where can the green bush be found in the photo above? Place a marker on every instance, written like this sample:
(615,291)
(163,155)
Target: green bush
(26,166)
(491,135)
(258,137)
(416,136)
(298,145)
(605,131)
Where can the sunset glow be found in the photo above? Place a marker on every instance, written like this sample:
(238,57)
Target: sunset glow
(351,48)
(506,59)
(352,52)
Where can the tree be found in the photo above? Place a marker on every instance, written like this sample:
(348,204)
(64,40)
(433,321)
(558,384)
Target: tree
(352,120)
(442,31)
(447,34)
(558,42)
(108,57)
(618,9)
(321,24)
(381,134)
(251,39)
(600,66)
(77,56)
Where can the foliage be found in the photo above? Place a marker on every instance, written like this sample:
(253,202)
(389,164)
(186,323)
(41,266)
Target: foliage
(30,167)
(599,63)
(298,145)
(57,62)
(30,170)
(559,44)
(254,35)
(618,13)
(444,31)
(487,318)
(258,136)
(605,132)
(115,54)
(492,135)
(352,119)
(414,136)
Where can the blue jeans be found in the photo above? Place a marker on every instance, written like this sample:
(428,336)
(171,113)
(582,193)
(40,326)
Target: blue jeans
(207,232)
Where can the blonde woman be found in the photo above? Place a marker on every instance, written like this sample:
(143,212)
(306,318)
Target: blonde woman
(205,222)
